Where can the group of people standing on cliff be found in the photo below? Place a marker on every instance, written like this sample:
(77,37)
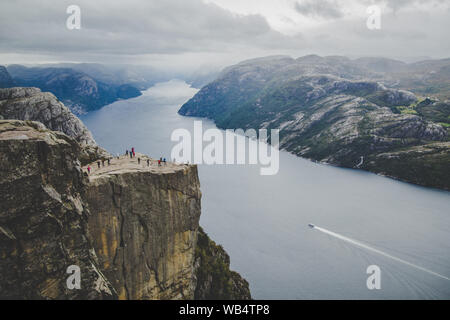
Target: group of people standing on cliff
(161,160)
(100,163)
(132,154)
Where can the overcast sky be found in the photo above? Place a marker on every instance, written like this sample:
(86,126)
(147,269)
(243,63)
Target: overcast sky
(192,33)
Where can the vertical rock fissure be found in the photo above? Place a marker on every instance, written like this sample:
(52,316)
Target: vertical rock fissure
(122,245)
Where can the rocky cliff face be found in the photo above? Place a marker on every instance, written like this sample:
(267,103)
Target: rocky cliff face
(32,104)
(131,229)
(214,279)
(43,219)
(144,230)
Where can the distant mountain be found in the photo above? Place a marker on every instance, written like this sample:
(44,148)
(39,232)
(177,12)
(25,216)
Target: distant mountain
(240,83)
(5,79)
(380,64)
(337,110)
(198,80)
(139,76)
(85,87)
(79,91)
(426,78)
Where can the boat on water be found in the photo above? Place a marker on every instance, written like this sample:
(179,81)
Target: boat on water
(311,225)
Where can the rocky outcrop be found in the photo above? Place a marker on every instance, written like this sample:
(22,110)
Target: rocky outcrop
(214,279)
(32,104)
(43,219)
(131,229)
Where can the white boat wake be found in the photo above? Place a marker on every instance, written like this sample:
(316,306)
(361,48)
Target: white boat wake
(364,246)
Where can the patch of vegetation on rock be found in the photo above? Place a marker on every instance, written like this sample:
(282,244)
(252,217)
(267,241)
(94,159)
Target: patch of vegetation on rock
(215,280)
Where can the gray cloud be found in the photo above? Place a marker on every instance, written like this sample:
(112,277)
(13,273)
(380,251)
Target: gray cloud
(398,5)
(319,8)
(131,27)
(191,33)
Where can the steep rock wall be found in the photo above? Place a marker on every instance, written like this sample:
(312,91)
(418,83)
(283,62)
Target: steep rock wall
(144,230)
(214,279)
(43,219)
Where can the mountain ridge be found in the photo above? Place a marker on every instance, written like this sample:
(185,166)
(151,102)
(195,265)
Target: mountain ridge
(337,112)
(79,91)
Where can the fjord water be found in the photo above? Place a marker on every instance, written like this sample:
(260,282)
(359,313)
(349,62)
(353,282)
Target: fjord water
(262,221)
